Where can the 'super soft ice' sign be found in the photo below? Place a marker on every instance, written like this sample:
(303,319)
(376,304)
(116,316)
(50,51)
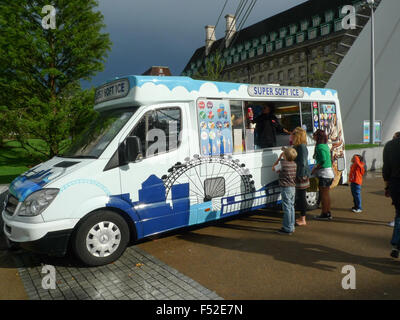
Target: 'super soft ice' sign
(114,90)
(274,91)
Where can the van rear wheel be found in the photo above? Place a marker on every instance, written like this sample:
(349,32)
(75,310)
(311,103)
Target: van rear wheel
(101,238)
(312,200)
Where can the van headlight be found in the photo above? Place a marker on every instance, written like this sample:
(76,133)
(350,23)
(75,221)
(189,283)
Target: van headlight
(37,202)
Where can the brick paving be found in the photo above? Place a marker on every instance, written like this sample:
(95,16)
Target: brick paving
(135,276)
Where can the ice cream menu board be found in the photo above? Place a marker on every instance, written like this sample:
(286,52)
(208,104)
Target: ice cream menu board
(315,116)
(328,120)
(215,127)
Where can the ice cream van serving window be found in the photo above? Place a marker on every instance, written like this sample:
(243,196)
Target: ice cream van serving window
(254,130)
(159,131)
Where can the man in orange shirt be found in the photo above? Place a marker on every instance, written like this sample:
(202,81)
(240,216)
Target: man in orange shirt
(357,171)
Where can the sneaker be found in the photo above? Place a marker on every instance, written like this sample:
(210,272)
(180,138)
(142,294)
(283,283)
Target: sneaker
(391,224)
(324,216)
(394,253)
(356,210)
(283,231)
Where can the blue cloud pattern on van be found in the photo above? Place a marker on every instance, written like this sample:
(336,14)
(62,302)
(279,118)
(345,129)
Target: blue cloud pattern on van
(195,85)
(24,185)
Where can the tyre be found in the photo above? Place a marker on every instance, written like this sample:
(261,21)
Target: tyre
(11,245)
(100,238)
(312,200)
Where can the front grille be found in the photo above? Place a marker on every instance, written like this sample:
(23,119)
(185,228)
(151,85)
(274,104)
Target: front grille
(11,205)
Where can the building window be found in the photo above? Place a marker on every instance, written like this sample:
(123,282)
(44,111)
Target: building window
(252,53)
(281,76)
(325,29)
(300,37)
(262,79)
(316,20)
(327,50)
(338,25)
(293,29)
(282,32)
(314,53)
(289,41)
(271,64)
(256,41)
(329,16)
(312,33)
(264,39)
(304,25)
(314,67)
(302,71)
(291,74)
(271,77)
(291,58)
(279,44)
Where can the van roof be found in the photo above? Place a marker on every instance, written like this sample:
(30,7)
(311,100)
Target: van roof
(144,90)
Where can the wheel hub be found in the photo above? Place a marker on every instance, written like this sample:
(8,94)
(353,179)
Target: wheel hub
(103,239)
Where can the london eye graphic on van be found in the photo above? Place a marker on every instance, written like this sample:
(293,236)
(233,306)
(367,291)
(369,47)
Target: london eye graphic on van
(212,180)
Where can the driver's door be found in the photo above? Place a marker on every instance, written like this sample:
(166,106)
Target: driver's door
(163,145)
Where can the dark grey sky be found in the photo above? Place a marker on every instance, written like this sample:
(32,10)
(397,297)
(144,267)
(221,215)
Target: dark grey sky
(166,32)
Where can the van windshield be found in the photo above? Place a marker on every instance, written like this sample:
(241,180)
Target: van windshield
(100,132)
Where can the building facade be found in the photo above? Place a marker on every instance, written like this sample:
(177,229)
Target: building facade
(298,47)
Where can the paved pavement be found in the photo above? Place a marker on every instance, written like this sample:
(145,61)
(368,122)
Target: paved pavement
(237,259)
(246,259)
(135,276)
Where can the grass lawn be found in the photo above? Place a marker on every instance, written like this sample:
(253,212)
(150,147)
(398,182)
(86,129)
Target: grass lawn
(361,146)
(15,160)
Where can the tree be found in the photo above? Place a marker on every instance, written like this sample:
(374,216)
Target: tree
(318,75)
(213,69)
(40,69)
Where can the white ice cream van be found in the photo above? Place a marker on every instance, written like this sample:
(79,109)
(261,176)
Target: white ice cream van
(163,153)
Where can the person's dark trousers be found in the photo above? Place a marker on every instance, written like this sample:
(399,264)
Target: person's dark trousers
(394,189)
(301,201)
(356,192)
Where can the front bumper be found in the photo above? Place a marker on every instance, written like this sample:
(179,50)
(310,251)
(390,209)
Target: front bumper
(47,237)
(53,243)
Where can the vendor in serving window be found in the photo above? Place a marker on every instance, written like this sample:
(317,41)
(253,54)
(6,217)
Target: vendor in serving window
(267,125)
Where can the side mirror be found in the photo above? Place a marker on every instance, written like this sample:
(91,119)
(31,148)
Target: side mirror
(130,150)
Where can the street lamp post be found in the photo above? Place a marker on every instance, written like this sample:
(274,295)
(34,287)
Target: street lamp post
(372,106)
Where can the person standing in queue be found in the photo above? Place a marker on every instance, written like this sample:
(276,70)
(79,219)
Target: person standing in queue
(396,135)
(287,182)
(323,170)
(299,139)
(267,125)
(391,176)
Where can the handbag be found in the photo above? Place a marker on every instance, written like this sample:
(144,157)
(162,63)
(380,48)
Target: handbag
(314,181)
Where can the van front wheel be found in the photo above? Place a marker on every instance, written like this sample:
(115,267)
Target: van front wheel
(101,238)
